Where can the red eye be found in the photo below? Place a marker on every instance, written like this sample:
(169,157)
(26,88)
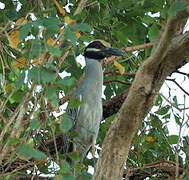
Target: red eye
(98,47)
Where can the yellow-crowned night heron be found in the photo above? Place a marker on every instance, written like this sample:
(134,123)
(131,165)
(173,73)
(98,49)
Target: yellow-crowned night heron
(87,117)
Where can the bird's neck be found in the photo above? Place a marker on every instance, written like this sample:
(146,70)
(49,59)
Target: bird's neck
(94,74)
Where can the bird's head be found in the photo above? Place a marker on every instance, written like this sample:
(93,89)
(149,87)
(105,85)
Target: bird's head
(98,50)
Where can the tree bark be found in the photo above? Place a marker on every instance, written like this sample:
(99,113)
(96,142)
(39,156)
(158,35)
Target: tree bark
(113,105)
(168,55)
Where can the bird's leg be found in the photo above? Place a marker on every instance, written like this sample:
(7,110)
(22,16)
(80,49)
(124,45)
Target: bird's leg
(93,151)
(93,146)
(74,147)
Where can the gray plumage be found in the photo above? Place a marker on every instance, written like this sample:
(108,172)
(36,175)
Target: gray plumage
(86,118)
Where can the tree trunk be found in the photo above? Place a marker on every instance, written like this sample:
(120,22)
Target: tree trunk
(142,94)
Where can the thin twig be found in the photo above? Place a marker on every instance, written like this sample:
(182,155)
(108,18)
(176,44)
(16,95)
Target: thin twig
(183,73)
(67,97)
(170,102)
(19,112)
(173,80)
(128,49)
(178,142)
(118,73)
(63,58)
(80,7)
(139,47)
(117,80)
(3,78)
(55,145)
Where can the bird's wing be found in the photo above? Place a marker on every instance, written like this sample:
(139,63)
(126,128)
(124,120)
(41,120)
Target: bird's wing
(73,113)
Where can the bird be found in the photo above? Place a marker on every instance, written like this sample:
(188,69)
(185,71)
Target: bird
(87,117)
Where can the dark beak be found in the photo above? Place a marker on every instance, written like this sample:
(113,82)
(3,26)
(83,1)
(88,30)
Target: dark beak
(107,51)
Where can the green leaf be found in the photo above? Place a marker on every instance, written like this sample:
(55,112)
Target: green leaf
(173,139)
(164,110)
(83,27)
(35,30)
(29,152)
(48,10)
(108,91)
(175,100)
(177,6)
(68,177)
(54,51)
(187,176)
(153,33)
(12,14)
(148,20)
(46,21)
(85,176)
(52,95)
(50,24)
(34,74)
(155,121)
(74,103)
(159,101)
(17,96)
(74,156)
(47,75)
(31,142)
(66,122)
(67,81)
(20,80)
(69,35)
(74,134)
(1,77)
(34,124)
(24,30)
(65,167)
(41,74)
(36,48)
(13,141)
(51,30)
(177,119)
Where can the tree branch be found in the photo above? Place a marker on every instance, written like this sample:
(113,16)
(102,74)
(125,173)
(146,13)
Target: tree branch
(173,80)
(118,73)
(117,80)
(113,105)
(128,49)
(166,57)
(147,170)
(80,7)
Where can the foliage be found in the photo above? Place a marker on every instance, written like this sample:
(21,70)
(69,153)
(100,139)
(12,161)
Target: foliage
(36,37)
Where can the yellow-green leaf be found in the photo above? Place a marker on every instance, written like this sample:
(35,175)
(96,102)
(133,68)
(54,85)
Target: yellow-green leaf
(21,21)
(77,34)
(50,41)
(61,10)
(150,139)
(68,20)
(120,67)
(20,62)
(13,38)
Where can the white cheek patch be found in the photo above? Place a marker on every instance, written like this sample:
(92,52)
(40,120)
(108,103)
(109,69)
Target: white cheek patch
(93,49)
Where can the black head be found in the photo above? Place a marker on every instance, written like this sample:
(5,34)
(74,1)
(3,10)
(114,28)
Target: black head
(97,50)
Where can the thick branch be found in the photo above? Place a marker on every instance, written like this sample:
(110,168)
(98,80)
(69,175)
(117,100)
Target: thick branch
(167,57)
(113,105)
(150,169)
